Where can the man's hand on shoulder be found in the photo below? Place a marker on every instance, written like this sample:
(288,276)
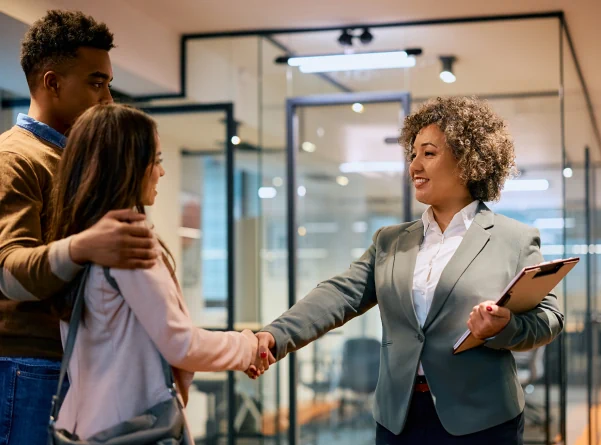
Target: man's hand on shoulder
(115,242)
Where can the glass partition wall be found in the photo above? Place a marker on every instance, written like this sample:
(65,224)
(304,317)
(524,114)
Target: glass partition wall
(329,407)
(226,221)
(581,338)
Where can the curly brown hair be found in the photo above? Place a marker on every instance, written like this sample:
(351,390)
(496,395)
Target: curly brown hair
(56,37)
(477,136)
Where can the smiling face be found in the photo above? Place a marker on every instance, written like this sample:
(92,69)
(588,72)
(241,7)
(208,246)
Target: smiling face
(434,170)
(154,172)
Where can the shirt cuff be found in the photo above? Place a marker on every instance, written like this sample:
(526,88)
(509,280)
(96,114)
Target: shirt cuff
(61,263)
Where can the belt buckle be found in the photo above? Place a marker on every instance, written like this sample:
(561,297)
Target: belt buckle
(421,384)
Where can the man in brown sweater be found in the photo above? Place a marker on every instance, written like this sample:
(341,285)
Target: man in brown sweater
(65,57)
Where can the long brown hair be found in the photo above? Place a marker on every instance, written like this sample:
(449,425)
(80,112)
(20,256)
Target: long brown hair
(102,168)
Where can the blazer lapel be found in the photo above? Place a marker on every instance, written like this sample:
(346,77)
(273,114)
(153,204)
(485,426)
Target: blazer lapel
(472,244)
(404,266)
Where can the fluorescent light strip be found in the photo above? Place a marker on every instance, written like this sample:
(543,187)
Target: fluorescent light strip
(352,62)
(575,249)
(526,185)
(267,193)
(372,167)
(359,227)
(321,227)
(554,223)
(301,254)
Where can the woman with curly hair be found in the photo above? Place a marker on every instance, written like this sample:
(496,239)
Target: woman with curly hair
(432,278)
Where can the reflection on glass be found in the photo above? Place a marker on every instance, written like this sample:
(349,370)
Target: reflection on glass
(204,237)
(346,195)
(8,117)
(352,186)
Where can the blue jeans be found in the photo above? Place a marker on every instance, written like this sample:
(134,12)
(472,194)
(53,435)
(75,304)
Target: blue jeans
(26,389)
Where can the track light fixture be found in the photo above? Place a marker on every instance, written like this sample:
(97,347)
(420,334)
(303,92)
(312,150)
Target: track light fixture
(349,62)
(346,38)
(446,74)
(366,36)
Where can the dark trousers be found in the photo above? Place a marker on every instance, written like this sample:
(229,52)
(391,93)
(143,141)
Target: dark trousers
(26,389)
(424,428)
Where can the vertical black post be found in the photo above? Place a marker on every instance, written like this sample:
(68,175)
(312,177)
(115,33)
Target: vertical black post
(547,379)
(407,191)
(278,398)
(563,346)
(291,145)
(594,303)
(589,294)
(183,49)
(260,215)
(231,277)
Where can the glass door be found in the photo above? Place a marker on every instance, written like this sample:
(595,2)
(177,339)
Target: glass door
(193,215)
(346,178)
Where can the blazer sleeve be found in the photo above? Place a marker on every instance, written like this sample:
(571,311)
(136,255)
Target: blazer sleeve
(153,297)
(330,305)
(540,325)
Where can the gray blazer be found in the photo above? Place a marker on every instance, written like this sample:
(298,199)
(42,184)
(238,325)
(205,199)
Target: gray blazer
(472,391)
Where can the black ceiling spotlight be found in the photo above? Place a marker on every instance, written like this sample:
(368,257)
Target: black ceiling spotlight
(413,51)
(366,36)
(446,74)
(346,38)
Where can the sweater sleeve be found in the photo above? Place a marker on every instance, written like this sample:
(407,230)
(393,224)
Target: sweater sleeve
(29,270)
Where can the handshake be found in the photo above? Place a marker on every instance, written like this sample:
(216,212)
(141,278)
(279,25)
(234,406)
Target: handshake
(263,357)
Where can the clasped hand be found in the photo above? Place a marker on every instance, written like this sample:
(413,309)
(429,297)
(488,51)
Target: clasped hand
(487,320)
(263,357)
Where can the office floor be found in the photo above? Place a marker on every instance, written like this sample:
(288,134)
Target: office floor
(362,432)
(577,417)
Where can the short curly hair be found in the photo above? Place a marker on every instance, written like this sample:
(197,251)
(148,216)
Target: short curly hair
(477,136)
(56,37)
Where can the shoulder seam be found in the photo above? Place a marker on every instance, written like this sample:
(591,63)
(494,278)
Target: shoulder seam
(20,155)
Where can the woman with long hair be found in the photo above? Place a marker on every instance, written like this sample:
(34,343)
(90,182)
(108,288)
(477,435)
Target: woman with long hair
(113,161)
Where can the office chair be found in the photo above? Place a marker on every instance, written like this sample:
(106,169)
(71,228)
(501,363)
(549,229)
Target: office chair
(530,369)
(359,371)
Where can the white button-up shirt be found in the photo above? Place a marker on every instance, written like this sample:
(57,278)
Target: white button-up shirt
(434,253)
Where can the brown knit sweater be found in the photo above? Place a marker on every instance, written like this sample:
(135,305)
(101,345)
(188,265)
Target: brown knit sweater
(30,271)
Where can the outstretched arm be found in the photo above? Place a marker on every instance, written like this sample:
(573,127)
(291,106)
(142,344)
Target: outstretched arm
(330,305)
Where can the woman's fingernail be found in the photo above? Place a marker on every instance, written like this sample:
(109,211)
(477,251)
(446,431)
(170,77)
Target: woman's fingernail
(263,354)
(489,308)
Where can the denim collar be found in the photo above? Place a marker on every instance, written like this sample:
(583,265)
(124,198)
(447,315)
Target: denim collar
(41,130)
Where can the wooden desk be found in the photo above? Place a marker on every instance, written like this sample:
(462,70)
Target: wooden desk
(306,412)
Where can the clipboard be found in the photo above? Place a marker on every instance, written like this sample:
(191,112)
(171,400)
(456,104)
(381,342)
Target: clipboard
(524,293)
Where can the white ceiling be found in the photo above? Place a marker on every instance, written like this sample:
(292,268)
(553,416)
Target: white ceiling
(11,75)
(484,55)
(191,16)
(493,57)
(13,81)
(490,57)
